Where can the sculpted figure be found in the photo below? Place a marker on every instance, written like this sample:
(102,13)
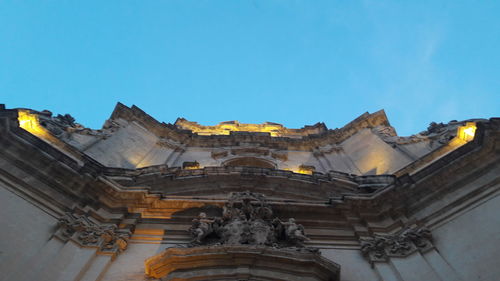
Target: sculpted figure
(279,229)
(202,227)
(295,232)
(247,219)
(230,212)
(248,209)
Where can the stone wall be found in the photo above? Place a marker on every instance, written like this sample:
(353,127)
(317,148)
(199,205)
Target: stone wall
(26,230)
(88,205)
(470,242)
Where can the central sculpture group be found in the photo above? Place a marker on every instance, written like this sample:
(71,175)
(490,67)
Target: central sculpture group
(247,219)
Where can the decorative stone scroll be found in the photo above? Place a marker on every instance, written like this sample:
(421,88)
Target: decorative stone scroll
(81,229)
(402,244)
(247,219)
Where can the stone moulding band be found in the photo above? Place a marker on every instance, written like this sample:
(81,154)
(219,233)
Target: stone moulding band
(235,262)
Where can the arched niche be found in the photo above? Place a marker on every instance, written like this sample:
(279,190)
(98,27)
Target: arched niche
(250,162)
(240,263)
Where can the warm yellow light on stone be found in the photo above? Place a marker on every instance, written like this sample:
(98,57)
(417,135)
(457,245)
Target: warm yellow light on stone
(235,126)
(306,170)
(191,165)
(192,168)
(225,128)
(467,132)
(30,123)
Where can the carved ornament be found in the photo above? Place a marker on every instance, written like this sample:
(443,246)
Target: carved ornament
(84,231)
(406,242)
(247,219)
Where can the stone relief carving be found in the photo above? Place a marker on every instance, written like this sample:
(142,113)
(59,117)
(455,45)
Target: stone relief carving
(435,132)
(63,126)
(407,241)
(247,219)
(81,229)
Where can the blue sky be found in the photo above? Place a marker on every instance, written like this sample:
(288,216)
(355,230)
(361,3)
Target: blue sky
(285,61)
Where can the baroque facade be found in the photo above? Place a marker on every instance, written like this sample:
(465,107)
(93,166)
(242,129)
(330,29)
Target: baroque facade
(144,200)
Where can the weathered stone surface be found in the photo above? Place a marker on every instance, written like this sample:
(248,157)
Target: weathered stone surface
(247,219)
(130,175)
(88,233)
(231,262)
(402,244)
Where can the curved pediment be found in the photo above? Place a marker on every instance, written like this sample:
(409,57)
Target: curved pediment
(240,263)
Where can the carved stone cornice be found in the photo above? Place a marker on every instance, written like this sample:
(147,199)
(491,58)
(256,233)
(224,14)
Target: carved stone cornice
(381,248)
(84,231)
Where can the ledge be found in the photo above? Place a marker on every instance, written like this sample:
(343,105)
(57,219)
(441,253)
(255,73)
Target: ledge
(240,262)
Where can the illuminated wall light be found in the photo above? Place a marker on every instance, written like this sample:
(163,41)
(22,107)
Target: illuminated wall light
(306,170)
(234,126)
(191,165)
(30,123)
(467,132)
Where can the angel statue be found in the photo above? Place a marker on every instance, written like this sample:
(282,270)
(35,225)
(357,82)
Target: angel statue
(201,228)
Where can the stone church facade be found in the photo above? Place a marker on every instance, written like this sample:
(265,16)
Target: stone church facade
(144,200)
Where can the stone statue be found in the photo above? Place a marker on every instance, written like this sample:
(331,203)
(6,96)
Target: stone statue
(202,227)
(247,219)
(295,232)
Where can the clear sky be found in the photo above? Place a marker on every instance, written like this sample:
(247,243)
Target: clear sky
(291,62)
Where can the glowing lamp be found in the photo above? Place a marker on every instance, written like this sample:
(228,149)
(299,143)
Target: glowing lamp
(30,123)
(467,132)
(305,169)
(191,165)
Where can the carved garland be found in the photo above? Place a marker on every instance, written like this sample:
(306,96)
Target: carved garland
(380,248)
(81,229)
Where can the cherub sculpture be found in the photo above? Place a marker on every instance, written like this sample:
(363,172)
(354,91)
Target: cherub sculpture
(294,232)
(201,228)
